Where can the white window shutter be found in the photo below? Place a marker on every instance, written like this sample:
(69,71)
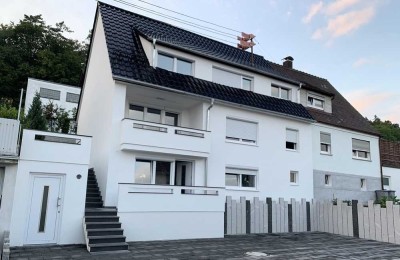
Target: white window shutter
(360,145)
(291,135)
(325,138)
(241,129)
(226,78)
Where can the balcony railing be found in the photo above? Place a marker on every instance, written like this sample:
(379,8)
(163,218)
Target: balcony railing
(9,129)
(152,137)
(149,197)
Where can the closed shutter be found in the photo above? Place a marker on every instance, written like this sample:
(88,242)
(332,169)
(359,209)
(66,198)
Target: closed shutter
(291,136)
(241,129)
(360,145)
(226,78)
(240,171)
(325,138)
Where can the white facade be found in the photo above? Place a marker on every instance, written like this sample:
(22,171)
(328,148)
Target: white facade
(393,174)
(64,96)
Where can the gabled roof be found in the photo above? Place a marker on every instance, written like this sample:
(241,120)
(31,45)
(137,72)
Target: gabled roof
(128,61)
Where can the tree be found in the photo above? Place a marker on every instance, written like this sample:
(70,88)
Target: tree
(7,110)
(63,121)
(33,49)
(35,118)
(389,131)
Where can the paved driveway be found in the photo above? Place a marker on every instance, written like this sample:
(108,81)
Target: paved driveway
(276,246)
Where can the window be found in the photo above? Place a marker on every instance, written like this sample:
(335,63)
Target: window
(363,184)
(291,139)
(325,140)
(315,102)
(361,149)
(174,64)
(241,131)
(153,172)
(231,79)
(153,115)
(294,177)
(2,170)
(280,92)
(386,182)
(50,93)
(72,98)
(328,180)
(240,178)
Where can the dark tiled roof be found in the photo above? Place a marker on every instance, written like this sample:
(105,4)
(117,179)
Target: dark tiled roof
(128,60)
(390,153)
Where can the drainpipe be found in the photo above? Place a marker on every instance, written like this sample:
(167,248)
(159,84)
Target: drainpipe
(154,53)
(208,114)
(298,95)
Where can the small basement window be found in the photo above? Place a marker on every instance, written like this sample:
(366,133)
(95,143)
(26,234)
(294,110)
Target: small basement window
(328,180)
(294,177)
(363,184)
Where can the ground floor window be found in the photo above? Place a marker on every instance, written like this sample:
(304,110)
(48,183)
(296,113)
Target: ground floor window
(386,182)
(294,177)
(240,178)
(164,172)
(328,180)
(363,184)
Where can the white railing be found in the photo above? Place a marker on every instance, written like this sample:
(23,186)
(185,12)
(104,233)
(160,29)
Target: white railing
(153,137)
(165,198)
(9,129)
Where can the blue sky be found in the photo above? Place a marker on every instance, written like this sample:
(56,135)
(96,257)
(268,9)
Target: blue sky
(355,44)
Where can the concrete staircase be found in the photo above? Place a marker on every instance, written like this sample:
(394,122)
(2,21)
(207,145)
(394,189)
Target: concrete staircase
(103,232)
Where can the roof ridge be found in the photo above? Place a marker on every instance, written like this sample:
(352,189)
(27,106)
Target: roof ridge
(308,74)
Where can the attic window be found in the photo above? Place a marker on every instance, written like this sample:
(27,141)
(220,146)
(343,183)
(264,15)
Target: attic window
(315,102)
(171,63)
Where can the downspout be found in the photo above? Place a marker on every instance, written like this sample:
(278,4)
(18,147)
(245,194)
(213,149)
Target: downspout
(298,93)
(208,114)
(207,128)
(154,53)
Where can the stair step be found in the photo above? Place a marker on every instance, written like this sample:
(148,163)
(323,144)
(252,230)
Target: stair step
(102,219)
(97,225)
(91,186)
(100,212)
(93,194)
(106,239)
(93,190)
(93,204)
(94,199)
(105,232)
(108,247)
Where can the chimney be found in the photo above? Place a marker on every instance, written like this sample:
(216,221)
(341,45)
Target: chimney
(288,62)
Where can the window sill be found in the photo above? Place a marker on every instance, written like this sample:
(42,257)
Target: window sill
(291,150)
(241,189)
(328,186)
(243,143)
(362,159)
(328,154)
(294,184)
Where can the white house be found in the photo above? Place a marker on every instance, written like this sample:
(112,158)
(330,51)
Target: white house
(64,96)
(181,113)
(390,156)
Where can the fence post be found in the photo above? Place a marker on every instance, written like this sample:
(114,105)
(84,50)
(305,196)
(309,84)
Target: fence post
(269,202)
(355,218)
(308,216)
(248,205)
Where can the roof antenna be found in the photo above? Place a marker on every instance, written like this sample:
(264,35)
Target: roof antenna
(245,42)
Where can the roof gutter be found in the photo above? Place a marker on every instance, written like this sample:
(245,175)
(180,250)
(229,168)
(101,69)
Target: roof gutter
(146,84)
(208,114)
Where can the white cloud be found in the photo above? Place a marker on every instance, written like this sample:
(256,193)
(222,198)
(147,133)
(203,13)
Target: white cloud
(314,10)
(339,5)
(361,62)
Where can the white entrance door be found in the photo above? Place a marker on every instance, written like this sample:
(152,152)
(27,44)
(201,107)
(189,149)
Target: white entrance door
(45,209)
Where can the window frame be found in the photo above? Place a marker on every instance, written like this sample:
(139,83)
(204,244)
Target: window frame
(328,180)
(162,116)
(175,62)
(231,170)
(153,166)
(241,140)
(50,90)
(296,177)
(329,145)
(69,94)
(388,186)
(280,92)
(363,184)
(242,78)
(296,145)
(315,97)
(356,152)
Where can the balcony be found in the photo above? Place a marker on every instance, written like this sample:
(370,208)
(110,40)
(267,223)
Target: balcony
(9,130)
(145,136)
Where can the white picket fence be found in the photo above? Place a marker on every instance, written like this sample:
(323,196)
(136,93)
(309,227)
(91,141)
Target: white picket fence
(267,216)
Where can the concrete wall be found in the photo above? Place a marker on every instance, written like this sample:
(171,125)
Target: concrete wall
(344,186)
(52,159)
(34,86)
(394,174)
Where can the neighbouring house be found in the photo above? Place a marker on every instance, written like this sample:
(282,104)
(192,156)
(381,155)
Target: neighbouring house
(390,157)
(64,96)
(169,124)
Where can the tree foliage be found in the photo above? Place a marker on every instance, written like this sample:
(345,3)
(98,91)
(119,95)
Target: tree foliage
(35,118)
(7,110)
(33,49)
(389,131)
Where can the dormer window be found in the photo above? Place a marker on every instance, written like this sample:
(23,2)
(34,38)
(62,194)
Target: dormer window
(315,102)
(232,79)
(171,63)
(280,92)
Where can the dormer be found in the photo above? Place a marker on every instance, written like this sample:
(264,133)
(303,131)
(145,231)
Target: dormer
(315,100)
